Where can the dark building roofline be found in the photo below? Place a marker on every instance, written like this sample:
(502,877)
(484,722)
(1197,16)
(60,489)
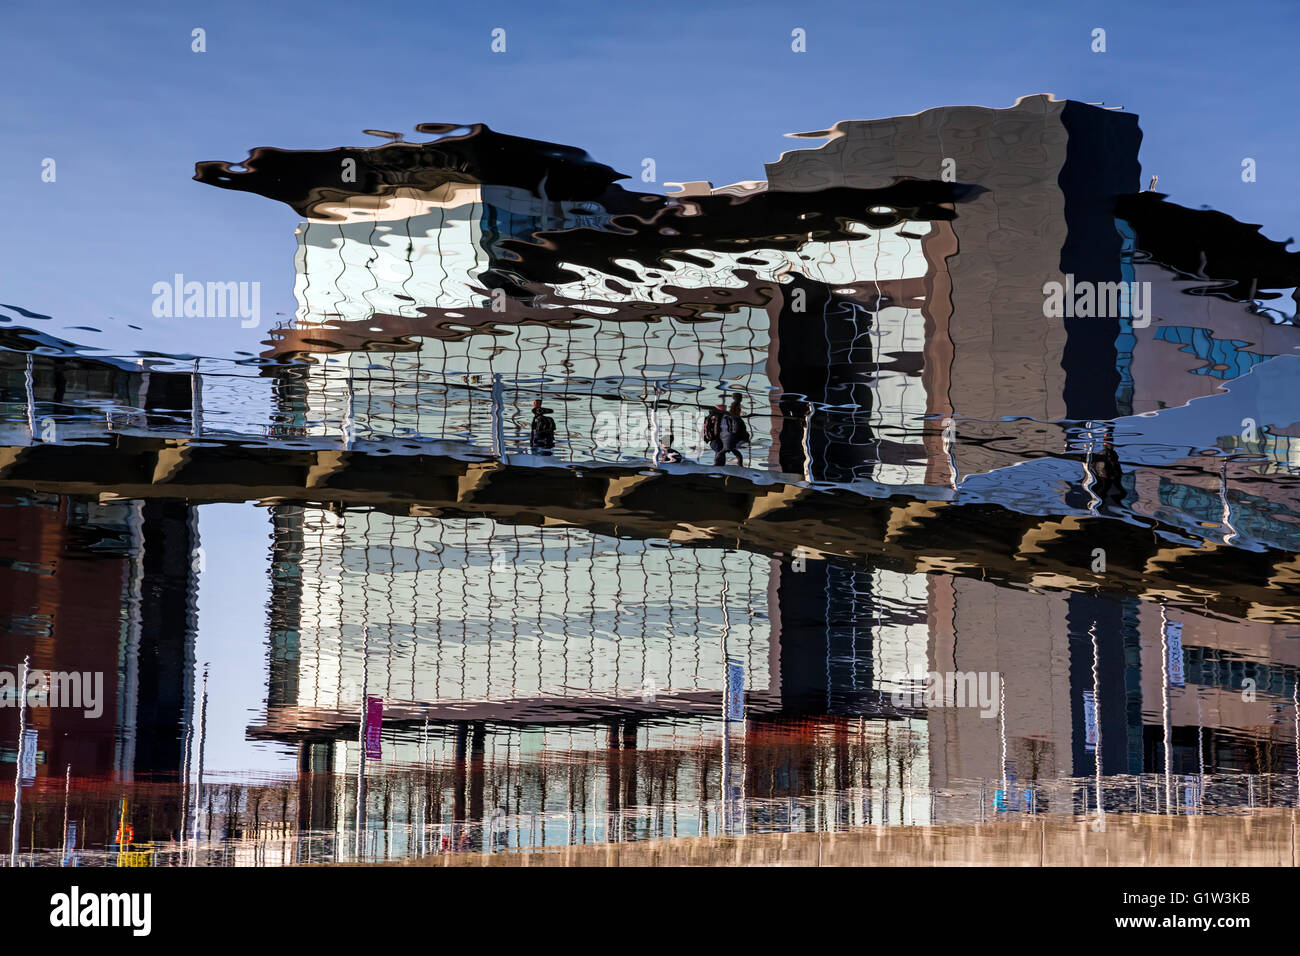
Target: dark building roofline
(1236,255)
(303,179)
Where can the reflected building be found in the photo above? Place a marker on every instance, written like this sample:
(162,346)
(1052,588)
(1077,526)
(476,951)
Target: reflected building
(443,313)
(481,637)
(99,587)
(868,293)
(51,394)
(878,302)
(104,589)
(878,305)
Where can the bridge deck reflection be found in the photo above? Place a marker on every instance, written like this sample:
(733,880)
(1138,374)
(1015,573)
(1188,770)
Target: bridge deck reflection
(688,505)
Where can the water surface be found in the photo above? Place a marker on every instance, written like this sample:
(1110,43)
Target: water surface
(457,637)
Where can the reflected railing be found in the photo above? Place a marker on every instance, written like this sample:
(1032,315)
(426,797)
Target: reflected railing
(261,837)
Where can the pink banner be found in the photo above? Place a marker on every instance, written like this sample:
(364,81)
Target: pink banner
(374,723)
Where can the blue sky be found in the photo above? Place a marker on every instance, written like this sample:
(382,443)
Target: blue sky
(118,99)
(232,635)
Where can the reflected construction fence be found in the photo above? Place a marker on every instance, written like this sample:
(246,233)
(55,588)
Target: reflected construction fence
(244,825)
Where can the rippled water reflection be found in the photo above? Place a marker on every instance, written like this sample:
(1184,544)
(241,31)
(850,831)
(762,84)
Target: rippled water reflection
(978,558)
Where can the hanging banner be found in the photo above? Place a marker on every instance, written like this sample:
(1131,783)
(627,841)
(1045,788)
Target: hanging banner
(374,723)
(27,759)
(1174,636)
(735,691)
(1089,722)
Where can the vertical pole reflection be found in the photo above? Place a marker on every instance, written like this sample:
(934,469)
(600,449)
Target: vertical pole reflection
(498,417)
(1164,703)
(426,813)
(360,825)
(1229,530)
(184,830)
(1295,708)
(198,781)
(1089,478)
(477,781)
(18,763)
(1002,737)
(725,805)
(612,782)
(196,402)
(29,383)
(67,793)
(1200,752)
(1096,699)
(654,425)
(459,775)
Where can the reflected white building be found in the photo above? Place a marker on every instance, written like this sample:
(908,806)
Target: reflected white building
(621,375)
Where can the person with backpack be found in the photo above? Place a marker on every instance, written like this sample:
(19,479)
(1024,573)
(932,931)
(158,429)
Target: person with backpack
(542,435)
(734,430)
(724,431)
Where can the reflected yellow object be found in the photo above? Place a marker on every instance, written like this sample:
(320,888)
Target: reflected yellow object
(140,854)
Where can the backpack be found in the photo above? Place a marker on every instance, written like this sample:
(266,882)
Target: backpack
(712,426)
